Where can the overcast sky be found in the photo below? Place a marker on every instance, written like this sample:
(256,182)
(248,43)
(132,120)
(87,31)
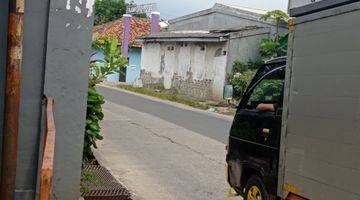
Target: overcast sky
(174,8)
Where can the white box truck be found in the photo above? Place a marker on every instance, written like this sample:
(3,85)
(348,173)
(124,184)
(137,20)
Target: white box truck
(308,145)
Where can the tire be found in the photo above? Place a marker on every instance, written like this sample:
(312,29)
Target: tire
(255,189)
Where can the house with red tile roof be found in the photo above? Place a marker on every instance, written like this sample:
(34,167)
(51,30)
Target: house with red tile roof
(138,27)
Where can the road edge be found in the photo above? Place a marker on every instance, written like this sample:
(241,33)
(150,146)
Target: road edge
(171,103)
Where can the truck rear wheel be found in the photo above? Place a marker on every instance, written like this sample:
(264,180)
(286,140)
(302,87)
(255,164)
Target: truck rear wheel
(255,189)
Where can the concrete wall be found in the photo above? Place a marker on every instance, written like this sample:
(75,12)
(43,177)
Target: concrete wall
(56,54)
(190,68)
(217,21)
(66,78)
(244,48)
(204,22)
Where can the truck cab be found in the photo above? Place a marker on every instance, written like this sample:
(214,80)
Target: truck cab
(253,148)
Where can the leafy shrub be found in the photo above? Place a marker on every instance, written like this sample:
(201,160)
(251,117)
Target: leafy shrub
(240,81)
(240,67)
(243,72)
(99,70)
(273,48)
(94,115)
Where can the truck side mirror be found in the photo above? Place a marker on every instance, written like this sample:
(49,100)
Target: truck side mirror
(228,92)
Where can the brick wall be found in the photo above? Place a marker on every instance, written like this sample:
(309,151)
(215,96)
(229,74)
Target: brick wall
(151,82)
(197,89)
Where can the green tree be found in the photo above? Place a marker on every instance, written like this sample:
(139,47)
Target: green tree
(98,71)
(273,48)
(279,17)
(109,10)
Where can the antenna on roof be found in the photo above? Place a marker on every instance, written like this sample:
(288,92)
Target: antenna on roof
(142,8)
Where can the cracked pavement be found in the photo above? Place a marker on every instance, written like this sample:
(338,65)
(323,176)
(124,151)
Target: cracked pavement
(157,159)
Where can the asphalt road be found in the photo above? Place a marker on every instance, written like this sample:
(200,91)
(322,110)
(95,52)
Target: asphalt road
(208,125)
(159,160)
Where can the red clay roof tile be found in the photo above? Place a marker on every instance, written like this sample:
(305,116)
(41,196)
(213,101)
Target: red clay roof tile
(139,27)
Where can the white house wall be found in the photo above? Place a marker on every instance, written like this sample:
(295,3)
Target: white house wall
(170,64)
(184,60)
(219,68)
(151,59)
(198,58)
(191,68)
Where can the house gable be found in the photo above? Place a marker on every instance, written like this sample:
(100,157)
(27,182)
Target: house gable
(220,17)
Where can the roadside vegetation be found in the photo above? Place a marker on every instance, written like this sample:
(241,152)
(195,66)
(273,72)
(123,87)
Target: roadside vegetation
(99,69)
(244,71)
(170,95)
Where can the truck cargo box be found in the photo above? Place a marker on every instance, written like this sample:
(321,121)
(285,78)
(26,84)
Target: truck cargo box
(320,141)
(304,7)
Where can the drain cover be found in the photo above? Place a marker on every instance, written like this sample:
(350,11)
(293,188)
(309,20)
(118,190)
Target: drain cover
(99,184)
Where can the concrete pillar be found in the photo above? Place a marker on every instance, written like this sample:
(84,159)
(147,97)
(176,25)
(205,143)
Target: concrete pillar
(155,20)
(126,36)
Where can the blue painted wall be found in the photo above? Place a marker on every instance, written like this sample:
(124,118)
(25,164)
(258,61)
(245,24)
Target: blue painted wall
(132,71)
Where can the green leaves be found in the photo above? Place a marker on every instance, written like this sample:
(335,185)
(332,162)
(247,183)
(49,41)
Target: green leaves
(112,62)
(273,48)
(243,72)
(109,10)
(98,72)
(240,81)
(94,115)
(277,15)
(240,67)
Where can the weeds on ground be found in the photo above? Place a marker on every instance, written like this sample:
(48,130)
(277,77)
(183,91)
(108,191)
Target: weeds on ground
(167,95)
(89,179)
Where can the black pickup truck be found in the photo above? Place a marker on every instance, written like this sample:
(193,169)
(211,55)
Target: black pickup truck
(253,149)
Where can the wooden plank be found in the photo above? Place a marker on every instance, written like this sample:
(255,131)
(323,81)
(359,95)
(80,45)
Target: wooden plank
(47,166)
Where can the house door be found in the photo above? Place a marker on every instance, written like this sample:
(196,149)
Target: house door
(133,70)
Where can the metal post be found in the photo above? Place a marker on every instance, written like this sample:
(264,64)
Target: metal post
(12,100)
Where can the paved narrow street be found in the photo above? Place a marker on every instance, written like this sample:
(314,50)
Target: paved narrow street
(160,151)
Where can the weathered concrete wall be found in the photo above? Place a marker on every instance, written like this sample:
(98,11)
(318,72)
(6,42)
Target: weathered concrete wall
(56,51)
(66,79)
(218,21)
(151,59)
(245,48)
(190,68)
(205,22)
